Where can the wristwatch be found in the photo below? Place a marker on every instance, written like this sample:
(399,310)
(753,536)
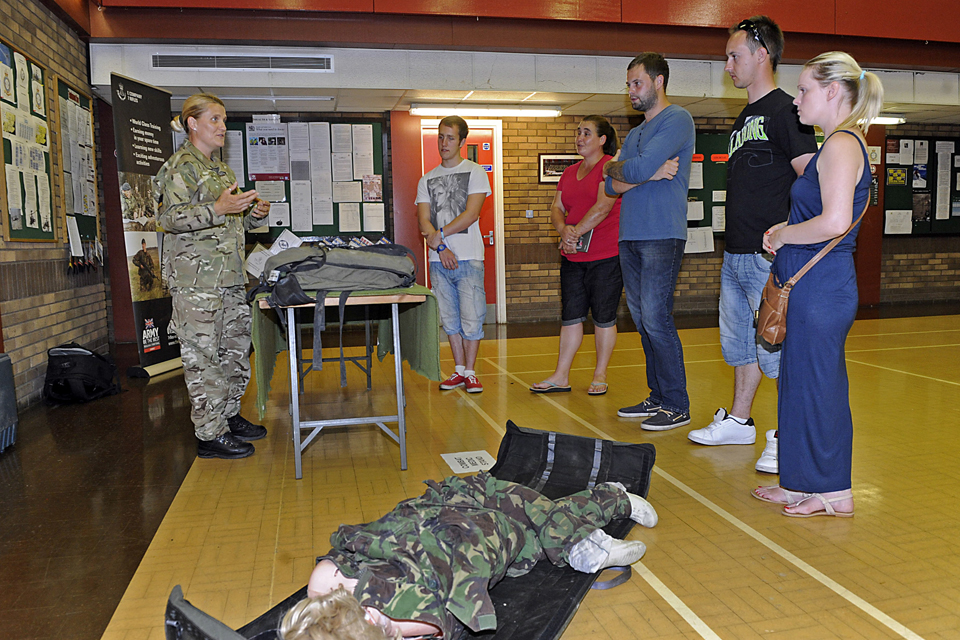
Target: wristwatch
(441,247)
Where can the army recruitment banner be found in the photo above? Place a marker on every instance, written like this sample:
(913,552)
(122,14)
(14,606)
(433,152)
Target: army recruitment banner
(141,116)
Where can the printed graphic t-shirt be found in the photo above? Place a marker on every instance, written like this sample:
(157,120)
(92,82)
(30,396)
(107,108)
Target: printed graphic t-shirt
(446,190)
(766,137)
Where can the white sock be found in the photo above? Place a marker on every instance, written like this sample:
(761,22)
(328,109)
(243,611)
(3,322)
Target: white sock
(460,369)
(742,421)
(469,372)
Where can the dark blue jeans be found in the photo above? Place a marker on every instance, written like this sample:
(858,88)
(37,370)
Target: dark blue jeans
(650,269)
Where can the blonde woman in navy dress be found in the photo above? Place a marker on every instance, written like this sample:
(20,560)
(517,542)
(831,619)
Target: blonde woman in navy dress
(816,427)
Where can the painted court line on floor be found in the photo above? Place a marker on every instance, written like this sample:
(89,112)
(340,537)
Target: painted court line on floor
(903,348)
(483,414)
(906,373)
(674,601)
(276,536)
(814,573)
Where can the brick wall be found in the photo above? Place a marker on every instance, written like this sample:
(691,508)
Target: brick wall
(531,255)
(41,305)
(922,268)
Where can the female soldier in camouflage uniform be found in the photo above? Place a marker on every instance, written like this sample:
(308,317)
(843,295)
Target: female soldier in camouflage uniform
(426,568)
(204,217)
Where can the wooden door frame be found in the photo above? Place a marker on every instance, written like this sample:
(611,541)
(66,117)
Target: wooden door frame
(500,258)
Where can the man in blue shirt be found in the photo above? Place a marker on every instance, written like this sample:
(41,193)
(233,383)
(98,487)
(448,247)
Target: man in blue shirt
(653,233)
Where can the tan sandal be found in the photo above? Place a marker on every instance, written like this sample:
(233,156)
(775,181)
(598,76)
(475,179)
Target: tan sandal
(827,503)
(790,497)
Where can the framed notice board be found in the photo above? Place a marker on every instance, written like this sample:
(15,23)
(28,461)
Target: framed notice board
(78,169)
(324,176)
(921,186)
(707,195)
(27,211)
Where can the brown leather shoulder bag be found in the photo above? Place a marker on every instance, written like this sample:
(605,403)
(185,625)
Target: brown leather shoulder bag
(772,314)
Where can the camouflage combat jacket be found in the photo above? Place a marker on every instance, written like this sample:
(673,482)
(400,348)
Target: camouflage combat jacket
(201,248)
(435,558)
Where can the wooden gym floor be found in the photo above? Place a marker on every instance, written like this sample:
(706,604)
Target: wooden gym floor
(241,535)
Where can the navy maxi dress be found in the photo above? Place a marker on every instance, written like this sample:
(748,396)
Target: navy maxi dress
(815,425)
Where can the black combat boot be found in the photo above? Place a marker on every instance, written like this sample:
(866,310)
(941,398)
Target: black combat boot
(225,446)
(243,429)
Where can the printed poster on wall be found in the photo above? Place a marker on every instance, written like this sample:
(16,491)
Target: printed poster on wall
(141,117)
(268,156)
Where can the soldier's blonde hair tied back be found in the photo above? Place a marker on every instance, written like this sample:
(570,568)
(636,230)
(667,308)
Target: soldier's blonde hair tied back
(334,616)
(193,107)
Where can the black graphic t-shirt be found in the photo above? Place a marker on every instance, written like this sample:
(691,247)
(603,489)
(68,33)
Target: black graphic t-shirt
(766,137)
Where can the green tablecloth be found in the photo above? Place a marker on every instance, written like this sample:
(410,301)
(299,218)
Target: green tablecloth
(419,337)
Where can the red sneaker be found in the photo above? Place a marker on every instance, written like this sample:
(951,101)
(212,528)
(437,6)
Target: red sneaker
(472,384)
(454,381)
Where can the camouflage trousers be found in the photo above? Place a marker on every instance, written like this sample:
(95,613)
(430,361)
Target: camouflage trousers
(213,326)
(557,524)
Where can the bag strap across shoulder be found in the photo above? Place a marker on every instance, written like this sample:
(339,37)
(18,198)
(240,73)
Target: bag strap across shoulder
(833,243)
(815,259)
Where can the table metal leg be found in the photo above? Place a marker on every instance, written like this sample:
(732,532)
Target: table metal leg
(293,353)
(401,400)
(369,353)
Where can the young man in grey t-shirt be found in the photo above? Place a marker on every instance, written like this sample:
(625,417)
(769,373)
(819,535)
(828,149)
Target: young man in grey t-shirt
(449,199)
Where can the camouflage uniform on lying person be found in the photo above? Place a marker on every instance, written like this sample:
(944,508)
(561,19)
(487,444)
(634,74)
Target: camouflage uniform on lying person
(433,559)
(203,261)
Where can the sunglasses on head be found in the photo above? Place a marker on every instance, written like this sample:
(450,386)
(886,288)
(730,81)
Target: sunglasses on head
(749,26)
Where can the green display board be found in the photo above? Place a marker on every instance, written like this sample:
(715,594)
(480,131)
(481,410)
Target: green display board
(78,187)
(709,199)
(920,186)
(26,188)
(369,196)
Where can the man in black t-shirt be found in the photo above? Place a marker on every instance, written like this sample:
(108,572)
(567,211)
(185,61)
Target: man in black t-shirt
(768,149)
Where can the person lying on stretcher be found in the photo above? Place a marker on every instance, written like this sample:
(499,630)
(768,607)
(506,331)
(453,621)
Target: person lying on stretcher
(426,568)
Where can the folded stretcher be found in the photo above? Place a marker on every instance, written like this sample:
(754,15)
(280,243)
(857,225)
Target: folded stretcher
(536,606)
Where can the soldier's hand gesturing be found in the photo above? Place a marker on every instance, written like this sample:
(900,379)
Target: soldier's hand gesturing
(262,209)
(230,203)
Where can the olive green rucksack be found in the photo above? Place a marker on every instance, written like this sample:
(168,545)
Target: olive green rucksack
(290,274)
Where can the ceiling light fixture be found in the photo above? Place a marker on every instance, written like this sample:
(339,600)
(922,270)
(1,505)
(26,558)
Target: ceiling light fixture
(889,119)
(480,111)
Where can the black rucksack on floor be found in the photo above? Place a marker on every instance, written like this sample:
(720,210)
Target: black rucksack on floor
(76,374)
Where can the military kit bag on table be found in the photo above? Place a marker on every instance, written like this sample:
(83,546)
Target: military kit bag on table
(288,275)
(77,374)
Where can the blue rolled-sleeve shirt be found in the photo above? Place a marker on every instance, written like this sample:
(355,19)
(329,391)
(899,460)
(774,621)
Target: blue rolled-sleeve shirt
(656,210)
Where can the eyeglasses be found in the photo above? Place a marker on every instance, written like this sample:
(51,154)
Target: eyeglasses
(748,25)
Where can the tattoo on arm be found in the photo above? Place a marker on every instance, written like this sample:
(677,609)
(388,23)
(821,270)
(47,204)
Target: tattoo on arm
(615,171)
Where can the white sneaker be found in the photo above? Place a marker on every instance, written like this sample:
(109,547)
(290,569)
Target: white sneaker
(641,511)
(768,459)
(599,551)
(725,430)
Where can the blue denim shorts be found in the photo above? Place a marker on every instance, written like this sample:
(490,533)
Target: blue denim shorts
(460,298)
(742,278)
